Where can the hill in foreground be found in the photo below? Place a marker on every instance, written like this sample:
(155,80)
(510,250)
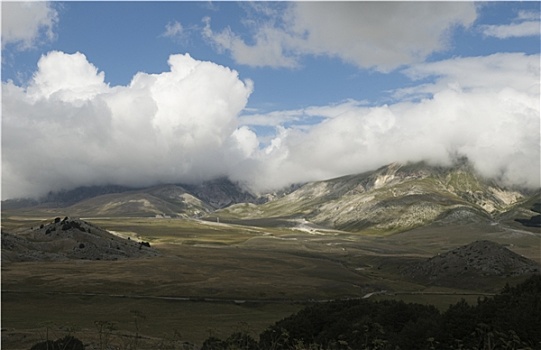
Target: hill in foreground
(70,239)
(480,258)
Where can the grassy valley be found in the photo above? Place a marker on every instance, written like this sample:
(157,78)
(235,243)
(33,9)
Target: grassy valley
(214,271)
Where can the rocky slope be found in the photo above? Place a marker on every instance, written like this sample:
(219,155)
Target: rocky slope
(391,199)
(480,258)
(70,239)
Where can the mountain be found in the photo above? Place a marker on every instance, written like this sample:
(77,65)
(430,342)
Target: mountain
(480,258)
(394,198)
(64,198)
(70,239)
(162,200)
(220,193)
(166,200)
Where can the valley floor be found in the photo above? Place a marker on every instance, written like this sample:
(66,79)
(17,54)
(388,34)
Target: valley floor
(214,279)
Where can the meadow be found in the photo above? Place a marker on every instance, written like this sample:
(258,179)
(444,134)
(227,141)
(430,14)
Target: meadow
(212,279)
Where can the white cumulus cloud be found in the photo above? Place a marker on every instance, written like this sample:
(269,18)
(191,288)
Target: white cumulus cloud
(66,78)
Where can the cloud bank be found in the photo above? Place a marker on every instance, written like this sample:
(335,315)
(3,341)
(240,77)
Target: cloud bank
(484,108)
(378,35)
(69,128)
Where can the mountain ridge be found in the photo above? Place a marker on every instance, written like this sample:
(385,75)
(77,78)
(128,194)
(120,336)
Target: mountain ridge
(165,199)
(390,199)
(393,198)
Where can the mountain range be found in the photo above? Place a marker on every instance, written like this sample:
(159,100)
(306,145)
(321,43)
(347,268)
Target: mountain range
(394,198)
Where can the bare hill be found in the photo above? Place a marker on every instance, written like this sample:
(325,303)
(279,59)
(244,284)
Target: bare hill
(478,259)
(70,239)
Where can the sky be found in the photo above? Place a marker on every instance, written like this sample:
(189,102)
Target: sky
(264,93)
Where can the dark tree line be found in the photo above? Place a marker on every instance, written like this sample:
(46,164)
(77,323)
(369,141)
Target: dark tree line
(509,320)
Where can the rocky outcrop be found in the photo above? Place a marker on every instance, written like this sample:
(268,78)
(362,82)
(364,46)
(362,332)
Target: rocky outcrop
(67,238)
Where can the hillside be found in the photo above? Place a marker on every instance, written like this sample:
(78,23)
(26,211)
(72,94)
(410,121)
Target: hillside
(393,198)
(480,258)
(70,239)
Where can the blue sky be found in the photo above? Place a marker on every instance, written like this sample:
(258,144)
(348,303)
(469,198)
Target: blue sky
(123,38)
(308,90)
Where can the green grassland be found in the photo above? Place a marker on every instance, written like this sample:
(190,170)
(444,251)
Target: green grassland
(216,278)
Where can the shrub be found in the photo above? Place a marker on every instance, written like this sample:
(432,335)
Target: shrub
(67,343)
(213,343)
(146,244)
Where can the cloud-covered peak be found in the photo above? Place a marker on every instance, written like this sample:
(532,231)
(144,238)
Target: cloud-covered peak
(185,125)
(68,128)
(483,108)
